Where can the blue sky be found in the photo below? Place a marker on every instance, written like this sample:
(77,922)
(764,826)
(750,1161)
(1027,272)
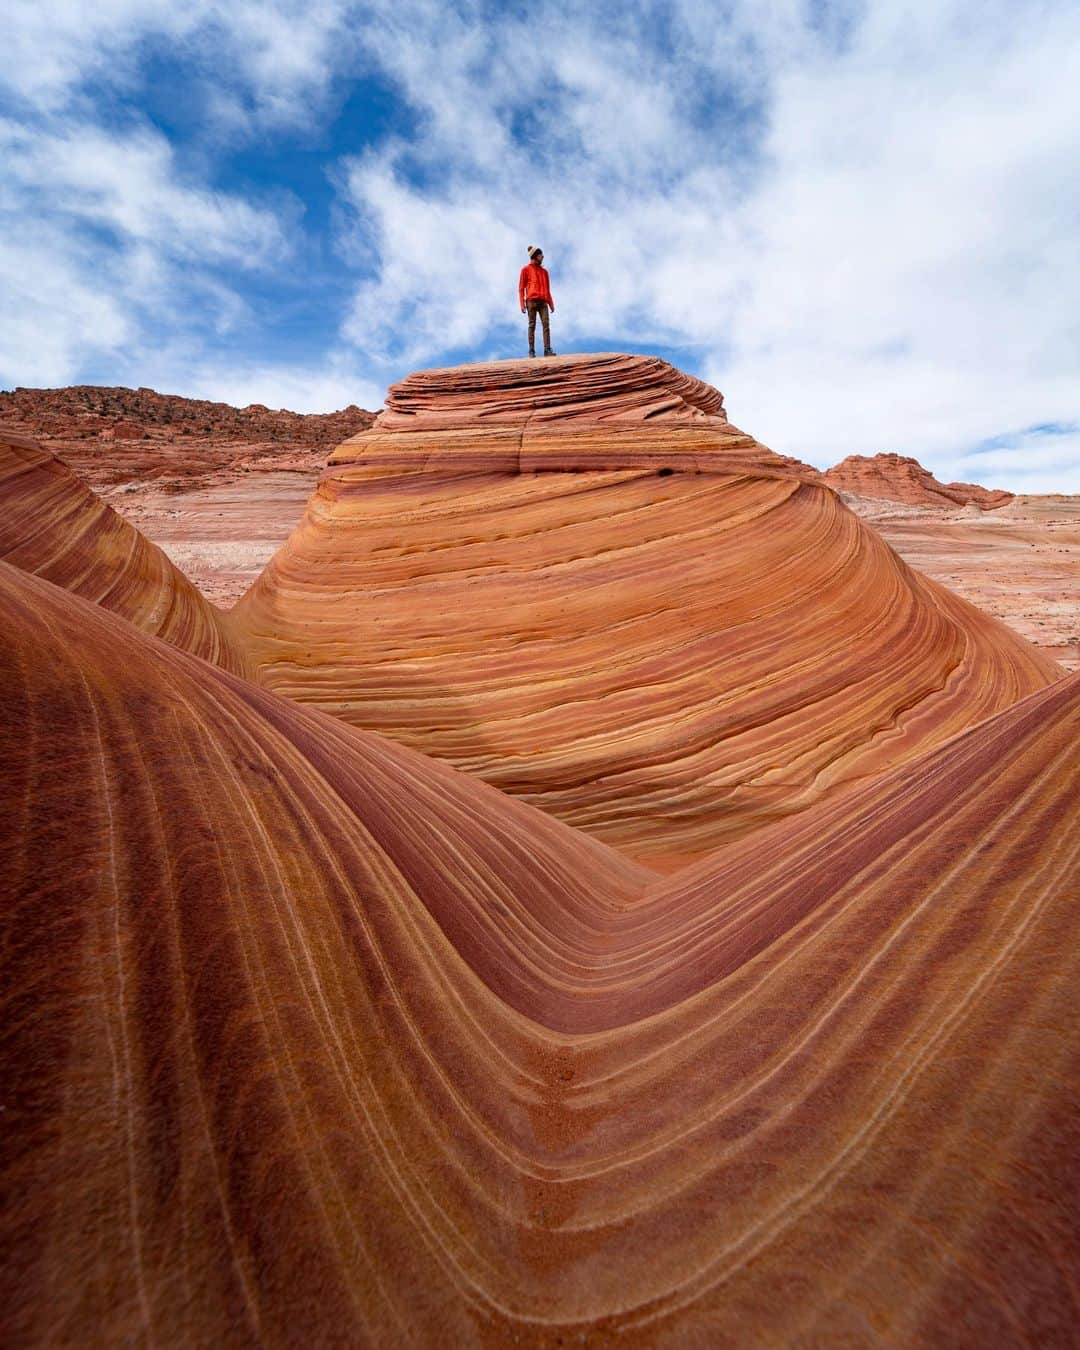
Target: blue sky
(859,220)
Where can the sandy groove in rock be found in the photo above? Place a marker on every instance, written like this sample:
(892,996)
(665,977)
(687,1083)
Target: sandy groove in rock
(53,525)
(305,1035)
(668,660)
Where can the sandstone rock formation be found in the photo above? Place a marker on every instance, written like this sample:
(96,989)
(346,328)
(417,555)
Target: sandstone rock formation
(310,1038)
(578,581)
(903,479)
(51,524)
(163,460)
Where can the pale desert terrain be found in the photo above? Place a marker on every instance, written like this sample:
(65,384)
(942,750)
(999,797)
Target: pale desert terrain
(1020,562)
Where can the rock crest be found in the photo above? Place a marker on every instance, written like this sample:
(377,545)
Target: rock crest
(588,412)
(901,478)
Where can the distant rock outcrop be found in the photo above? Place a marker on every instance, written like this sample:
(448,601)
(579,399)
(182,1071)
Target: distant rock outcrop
(175,442)
(88,411)
(899,478)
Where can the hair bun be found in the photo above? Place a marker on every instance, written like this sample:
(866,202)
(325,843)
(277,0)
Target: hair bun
(530,249)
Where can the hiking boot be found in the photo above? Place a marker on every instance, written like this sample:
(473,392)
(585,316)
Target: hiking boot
(532,353)
(549,352)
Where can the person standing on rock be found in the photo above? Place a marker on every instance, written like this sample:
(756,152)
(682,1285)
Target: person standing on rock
(534,295)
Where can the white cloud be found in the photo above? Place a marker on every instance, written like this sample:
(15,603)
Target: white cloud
(858,221)
(912,290)
(53,317)
(1036,460)
(112,254)
(104,245)
(128,183)
(270,61)
(442,265)
(325,388)
(891,266)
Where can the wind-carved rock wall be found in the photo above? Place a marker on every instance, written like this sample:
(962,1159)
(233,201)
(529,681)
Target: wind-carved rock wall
(52,525)
(577,580)
(311,1039)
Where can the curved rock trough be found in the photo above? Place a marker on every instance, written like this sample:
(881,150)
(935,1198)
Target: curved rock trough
(311,1037)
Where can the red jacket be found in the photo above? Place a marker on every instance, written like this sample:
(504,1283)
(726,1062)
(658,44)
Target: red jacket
(534,284)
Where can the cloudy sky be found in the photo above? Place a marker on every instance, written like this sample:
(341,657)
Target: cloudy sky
(859,220)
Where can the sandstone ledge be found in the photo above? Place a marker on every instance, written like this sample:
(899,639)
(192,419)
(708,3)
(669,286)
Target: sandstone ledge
(603,411)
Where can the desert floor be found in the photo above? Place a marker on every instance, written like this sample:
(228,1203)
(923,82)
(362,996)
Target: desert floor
(1020,563)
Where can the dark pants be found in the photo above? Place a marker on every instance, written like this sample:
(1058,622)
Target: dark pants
(540,307)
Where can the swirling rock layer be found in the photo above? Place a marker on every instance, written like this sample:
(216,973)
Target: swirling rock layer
(578,581)
(51,524)
(307,1038)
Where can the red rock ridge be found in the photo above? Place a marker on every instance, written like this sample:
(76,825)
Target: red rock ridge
(900,478)
(84,411)
(116,435)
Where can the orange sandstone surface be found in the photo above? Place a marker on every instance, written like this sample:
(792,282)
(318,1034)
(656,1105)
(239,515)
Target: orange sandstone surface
(577,580)
(53,525)
(310,1037)
(217,488)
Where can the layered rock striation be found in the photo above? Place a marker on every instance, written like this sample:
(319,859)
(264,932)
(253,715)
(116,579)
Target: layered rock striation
(899,478)
(308,1037)
(311,1038)
(53,525)
(575,579)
